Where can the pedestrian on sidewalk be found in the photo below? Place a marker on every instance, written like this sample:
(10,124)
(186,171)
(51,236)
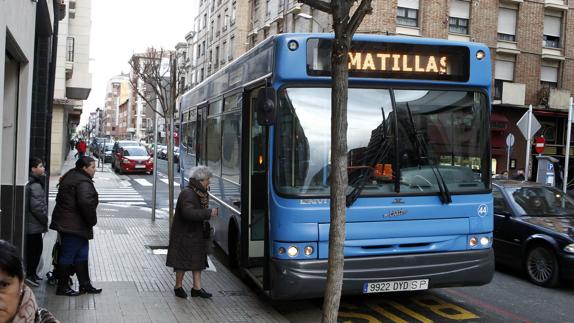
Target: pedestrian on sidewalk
(81,147)
(17,301)
(190,235)
(74,218)
(36,219)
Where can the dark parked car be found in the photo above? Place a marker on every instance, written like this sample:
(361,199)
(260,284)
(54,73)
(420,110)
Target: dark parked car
(534,230)
(107,152)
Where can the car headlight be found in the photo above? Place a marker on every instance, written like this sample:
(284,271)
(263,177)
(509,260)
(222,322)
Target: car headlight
(569,248)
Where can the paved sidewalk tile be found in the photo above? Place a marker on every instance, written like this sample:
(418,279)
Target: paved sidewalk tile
(137,286)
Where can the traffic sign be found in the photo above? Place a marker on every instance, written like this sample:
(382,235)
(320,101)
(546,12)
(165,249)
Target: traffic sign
(539,144)
(510,140)
(523,125)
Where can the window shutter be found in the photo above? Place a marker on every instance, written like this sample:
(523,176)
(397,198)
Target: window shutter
(507,21)
(459,9)
(552,26)
(549,74)
(411,4)
(504,70)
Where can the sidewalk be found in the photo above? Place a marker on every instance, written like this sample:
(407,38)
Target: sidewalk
(137,286)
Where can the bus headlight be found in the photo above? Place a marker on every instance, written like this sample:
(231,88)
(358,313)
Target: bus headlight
(293,251)
(473,241)
(308,251)
(484,241)
(480,55)
(569,248)
(281,250)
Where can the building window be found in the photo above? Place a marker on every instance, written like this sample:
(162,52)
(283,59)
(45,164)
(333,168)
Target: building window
(459,14)
(407,13)
(70,49)
(231,43)
(507,24)
(233,13)
(503,72)
(549,76)
(204,21)
(552,31)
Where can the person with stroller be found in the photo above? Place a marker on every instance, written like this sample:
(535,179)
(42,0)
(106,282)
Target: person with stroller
(36,219)
(74,218)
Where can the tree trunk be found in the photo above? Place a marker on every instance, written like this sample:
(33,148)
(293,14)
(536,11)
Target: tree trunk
(169,116)
(338,174)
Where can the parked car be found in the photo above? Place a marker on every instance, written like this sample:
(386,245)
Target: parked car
(118,145)
(133,159)
(107,152)
(534,230)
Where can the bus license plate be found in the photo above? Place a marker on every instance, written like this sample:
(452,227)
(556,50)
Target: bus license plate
(395,286)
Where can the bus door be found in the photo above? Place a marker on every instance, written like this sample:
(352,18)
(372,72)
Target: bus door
(254,190)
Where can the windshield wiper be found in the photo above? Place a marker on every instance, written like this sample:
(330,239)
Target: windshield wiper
(422,154)
(372,156)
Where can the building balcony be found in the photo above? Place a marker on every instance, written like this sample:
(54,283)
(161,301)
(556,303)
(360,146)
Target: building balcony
(559,99)
(556,5)
(509,93)
(553,54)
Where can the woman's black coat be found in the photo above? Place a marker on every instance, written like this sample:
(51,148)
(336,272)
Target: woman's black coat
(187,247)
(76,204)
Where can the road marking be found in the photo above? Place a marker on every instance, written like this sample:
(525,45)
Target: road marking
(165,180)
(488,307)
(387,314)
(442,308)
(409,312)
(143,182)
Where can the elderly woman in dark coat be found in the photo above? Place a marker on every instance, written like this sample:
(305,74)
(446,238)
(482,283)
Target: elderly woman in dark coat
(189,237)
(74,218)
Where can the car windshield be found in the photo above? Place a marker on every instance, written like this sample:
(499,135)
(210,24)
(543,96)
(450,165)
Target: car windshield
(109,147)
(540,201)
(135,151)
(399,141)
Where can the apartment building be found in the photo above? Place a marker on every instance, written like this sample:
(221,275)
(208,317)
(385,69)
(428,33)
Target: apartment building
(28,30)
(531,64)
(225,29)
(117,93)
(73,81)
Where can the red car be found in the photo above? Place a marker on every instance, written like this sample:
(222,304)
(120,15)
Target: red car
(133,159)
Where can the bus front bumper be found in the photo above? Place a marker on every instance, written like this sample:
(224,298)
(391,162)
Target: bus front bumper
(299,279)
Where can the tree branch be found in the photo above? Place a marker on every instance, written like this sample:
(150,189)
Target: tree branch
(363,9)
(318,4)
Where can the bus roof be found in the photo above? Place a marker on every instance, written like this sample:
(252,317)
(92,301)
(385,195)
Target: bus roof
(273,59)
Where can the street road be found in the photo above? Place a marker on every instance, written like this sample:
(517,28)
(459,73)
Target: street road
(508,298)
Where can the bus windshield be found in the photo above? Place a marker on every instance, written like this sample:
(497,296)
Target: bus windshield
(398,141)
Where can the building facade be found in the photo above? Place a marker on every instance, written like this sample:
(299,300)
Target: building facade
(117,93)
(73,81)
(531,63)
(27,30)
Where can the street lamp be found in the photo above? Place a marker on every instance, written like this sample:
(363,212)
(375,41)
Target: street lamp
(307,16)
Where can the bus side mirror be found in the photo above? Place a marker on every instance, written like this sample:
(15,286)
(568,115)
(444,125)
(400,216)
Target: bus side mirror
(266,106)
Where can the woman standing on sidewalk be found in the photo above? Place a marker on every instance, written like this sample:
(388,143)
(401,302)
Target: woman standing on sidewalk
(190,233)
(74,217)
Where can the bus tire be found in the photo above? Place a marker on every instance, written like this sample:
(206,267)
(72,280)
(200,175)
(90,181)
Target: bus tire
(234,245)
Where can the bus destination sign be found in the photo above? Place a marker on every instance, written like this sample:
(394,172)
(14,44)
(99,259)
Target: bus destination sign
(393,60)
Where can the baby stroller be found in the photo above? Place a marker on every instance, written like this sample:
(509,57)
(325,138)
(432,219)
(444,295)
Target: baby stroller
(51,275)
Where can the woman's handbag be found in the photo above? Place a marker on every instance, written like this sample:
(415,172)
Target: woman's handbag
(208,236)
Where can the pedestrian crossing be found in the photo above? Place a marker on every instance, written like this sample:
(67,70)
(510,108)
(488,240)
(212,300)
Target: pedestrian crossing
(119,196)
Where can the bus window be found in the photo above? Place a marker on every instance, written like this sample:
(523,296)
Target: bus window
(213,144)
(231,149)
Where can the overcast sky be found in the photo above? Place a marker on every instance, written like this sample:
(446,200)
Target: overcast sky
(123,27)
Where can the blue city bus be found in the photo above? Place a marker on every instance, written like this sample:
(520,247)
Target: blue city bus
(419,198)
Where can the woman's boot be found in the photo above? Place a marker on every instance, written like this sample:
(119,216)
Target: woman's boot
(83,274)
(63,274)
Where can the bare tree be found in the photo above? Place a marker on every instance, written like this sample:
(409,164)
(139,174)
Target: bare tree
(156,70)
(344,26)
